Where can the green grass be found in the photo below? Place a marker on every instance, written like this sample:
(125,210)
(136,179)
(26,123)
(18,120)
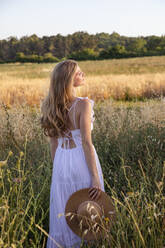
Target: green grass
(153,64)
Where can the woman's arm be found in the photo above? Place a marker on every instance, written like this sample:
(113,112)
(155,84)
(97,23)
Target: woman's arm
(85,129)
(53,146)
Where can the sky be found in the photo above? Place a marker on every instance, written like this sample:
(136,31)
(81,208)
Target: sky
(131,18)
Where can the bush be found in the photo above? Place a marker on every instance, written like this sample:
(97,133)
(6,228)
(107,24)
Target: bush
(85,54)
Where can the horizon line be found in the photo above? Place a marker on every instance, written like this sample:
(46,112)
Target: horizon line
(82,31)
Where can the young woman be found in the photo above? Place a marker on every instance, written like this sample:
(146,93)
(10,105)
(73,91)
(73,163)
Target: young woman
(68,120)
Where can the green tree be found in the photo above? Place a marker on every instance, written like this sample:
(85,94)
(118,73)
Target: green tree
(116,50)
(137,45)
(153,42)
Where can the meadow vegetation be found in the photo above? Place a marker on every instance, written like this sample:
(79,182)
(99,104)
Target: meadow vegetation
(124,79)
(129,137)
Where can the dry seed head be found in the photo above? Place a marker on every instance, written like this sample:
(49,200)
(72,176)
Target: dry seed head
(2,163)
(88,205)
(85,232)
(95,225)
(93,216)
(98,228)
(68,214)
(13,246)
(91,208)
(111,212)
(80,224)
(72,217)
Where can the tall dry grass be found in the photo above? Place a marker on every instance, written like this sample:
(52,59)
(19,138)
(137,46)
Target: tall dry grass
(129,139)
(124,79)
(118,87)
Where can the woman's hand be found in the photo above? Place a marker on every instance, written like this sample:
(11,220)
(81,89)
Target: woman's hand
(95,190)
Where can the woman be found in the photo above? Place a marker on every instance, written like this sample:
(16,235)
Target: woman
(68,120)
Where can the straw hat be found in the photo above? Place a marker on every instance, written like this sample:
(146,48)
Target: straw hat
(85,216)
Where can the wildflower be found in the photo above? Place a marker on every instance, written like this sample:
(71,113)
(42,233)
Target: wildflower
(61,214)
(21,154)
(10,153)
(106,219)
(149,205)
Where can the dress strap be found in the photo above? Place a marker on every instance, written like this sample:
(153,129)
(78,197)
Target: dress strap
(74,112)
(73,104)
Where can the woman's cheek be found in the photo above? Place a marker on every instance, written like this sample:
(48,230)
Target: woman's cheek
(76,83)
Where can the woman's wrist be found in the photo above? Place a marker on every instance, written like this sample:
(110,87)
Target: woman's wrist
(95,176)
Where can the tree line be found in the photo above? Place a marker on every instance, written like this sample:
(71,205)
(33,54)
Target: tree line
(79,46)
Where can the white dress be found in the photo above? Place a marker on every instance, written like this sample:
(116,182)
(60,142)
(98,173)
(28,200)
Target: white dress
(70,173)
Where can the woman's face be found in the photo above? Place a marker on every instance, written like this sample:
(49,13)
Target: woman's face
(78,78)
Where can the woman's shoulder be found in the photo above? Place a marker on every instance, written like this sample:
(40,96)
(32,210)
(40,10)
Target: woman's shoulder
(86,100)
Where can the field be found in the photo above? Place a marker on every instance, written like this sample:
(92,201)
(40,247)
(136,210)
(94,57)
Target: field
(129,137)
(124,79)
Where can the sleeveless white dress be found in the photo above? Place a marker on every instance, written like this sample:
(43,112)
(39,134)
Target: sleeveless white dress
(70,173)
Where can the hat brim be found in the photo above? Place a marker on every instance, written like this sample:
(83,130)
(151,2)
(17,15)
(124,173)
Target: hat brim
(104,201)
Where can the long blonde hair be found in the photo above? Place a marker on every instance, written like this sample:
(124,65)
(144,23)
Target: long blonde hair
(54,119)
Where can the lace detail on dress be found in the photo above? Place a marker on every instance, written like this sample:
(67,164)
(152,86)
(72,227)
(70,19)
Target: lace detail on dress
(93,114)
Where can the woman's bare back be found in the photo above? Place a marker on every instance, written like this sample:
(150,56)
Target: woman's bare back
(71,116)
(74,117)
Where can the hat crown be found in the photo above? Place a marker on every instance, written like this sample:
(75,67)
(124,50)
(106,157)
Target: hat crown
(91,210)
(78,202)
